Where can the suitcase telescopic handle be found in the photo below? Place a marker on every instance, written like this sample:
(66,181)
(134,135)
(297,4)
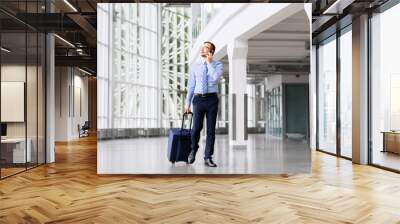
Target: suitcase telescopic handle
(183,119)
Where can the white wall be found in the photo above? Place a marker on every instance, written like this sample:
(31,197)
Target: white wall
(294,79)
(71,87)
(273,81)
(61,103)
(80,83)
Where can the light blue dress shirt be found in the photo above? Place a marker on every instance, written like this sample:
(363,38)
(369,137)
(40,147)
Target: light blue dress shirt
(200,73)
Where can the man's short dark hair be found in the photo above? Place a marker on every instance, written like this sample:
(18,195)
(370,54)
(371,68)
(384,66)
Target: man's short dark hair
(212,46)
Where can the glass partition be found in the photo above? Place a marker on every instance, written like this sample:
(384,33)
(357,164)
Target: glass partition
(14,153)
(274,112)
(22,88)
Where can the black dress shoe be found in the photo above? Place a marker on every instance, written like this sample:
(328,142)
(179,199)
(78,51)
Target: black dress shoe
(192,157)
(209,163)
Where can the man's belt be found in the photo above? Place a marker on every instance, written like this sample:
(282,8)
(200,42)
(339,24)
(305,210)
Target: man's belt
(205,94)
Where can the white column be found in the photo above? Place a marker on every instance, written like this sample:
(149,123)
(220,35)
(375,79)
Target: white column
(360,90)
(237,55)
(50,99)
(313,99)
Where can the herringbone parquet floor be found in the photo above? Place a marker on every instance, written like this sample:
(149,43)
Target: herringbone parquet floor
(70,191)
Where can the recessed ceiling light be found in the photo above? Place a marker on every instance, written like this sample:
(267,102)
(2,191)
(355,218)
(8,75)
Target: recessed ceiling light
(84,71)
(70,5)
(64,40)
(5,50)
(337,7)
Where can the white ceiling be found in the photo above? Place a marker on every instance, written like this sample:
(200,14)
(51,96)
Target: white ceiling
(283,46)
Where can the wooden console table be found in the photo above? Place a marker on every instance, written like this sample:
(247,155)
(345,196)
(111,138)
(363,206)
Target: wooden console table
(391,141)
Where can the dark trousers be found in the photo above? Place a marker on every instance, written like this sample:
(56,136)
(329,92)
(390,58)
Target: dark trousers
(204,106)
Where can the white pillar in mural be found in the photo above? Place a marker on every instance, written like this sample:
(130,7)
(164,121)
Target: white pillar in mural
(237,55)
(223,102)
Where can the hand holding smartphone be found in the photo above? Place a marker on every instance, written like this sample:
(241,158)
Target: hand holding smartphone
(209,57)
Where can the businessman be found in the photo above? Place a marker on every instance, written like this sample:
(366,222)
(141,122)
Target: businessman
(202,93)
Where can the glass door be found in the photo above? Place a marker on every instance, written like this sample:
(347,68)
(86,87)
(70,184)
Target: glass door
(327,95)
(385,89)
(346,92)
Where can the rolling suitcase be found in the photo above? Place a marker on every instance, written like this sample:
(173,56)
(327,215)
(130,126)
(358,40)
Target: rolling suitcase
(179,142)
